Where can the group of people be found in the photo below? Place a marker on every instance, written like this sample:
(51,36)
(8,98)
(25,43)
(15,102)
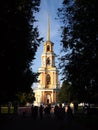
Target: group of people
(39,111)
(58,112)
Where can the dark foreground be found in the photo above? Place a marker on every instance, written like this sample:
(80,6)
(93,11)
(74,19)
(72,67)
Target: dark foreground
(16,122)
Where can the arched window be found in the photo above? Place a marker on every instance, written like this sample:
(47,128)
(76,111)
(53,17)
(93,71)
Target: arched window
(48,79)
(48,61)
(48,48)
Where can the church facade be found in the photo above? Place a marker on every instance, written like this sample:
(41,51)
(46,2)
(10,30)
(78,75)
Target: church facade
(48,87)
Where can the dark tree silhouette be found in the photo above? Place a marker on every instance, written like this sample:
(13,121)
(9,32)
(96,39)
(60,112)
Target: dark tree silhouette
(80,46)
(19,42)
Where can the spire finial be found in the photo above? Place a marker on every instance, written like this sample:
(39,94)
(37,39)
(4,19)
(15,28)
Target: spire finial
(48,31)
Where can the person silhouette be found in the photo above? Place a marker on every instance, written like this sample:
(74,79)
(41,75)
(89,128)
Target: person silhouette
(61,112)
(69,115)
(41,111)
(32,110)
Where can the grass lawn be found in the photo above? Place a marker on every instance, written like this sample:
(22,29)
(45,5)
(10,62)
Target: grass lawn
(4,110)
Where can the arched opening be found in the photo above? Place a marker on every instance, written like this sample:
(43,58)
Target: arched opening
(48,98)
(48,48)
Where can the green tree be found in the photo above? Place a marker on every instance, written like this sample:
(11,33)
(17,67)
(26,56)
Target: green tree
(19,43)
(24,98)
(64,95)
(80,59)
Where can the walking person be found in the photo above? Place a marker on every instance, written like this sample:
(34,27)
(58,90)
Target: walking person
(41,112)
(69,116)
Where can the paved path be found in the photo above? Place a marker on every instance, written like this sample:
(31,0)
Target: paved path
(47,123)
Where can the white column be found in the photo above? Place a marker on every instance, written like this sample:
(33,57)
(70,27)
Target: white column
(52,95)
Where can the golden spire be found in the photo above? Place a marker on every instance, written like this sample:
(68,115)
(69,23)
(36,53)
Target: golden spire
(48,31)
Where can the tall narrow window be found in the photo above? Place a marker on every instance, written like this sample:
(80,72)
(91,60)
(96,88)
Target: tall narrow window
(48,61)
(48,79)
(48,48)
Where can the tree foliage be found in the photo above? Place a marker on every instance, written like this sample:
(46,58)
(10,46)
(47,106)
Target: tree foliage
(19,43)
(24,98)
(80,46)
(64,95)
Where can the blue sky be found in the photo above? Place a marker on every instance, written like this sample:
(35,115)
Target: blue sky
(48,7)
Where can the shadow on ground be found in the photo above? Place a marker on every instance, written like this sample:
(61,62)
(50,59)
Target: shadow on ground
(13,122)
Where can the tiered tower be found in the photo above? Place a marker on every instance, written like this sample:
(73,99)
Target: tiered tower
(47,90)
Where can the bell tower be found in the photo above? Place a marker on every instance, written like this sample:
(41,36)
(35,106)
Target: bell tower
(48,86)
